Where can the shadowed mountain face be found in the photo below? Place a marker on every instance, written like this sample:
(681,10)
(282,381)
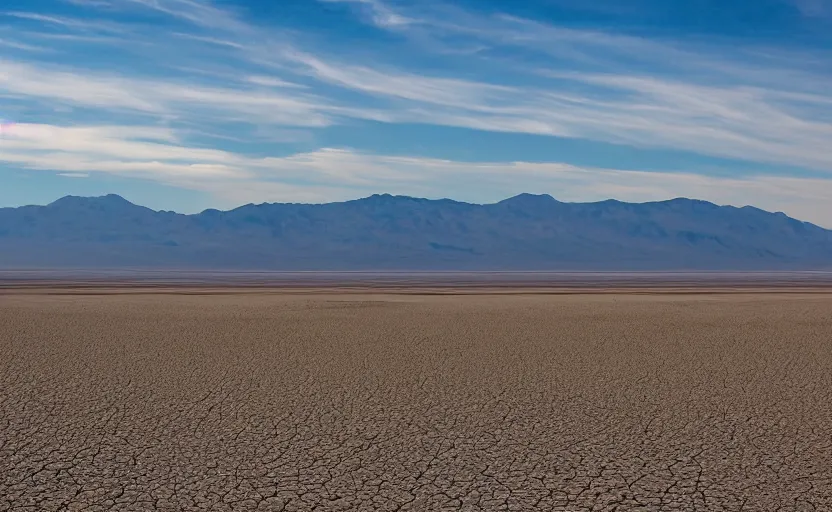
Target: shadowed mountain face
(526,232)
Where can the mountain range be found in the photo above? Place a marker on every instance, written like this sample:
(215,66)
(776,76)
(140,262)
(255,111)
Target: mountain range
(385,232)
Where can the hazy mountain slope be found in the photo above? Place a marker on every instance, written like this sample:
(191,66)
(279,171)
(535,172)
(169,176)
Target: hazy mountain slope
(395,232)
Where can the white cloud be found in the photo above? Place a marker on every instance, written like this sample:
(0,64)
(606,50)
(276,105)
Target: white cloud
(212,40)
(160,97)
(448,92)
(21,46)
(70,24)
(270,81)
(39,82)
(143,151)
(91,3)
(200,13)
(379,13)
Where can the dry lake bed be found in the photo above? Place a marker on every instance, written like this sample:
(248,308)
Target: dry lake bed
(217,398)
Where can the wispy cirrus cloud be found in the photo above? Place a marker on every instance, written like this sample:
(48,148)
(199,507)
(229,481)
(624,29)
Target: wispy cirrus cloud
(705,98)
(732,119)
(69,23)
(21,46)
(719,109)
(379,13)
(198,12)
(163,97)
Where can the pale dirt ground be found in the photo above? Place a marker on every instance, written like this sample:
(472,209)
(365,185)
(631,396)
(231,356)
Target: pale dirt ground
(258,401)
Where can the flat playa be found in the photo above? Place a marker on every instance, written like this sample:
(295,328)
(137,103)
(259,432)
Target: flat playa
(210,398)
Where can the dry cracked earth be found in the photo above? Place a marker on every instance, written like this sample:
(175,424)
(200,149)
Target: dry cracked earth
(299,402)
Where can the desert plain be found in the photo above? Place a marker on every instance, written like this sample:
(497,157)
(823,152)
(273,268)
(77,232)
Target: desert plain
(266,399)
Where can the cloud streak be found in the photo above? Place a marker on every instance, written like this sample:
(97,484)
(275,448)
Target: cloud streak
(379,13)
(700,99)
(739,118)
(162,97)
(741,113)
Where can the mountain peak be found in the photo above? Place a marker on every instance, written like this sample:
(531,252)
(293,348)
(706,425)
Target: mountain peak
(105,202)
(527,197)
(686,201)
(385,199)
(526,200)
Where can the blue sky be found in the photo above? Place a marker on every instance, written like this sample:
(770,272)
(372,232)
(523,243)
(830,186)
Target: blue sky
(190,104)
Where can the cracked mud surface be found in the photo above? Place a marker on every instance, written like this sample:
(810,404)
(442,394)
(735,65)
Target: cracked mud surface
(337,402)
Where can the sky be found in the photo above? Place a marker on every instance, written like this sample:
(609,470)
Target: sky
(191,104)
